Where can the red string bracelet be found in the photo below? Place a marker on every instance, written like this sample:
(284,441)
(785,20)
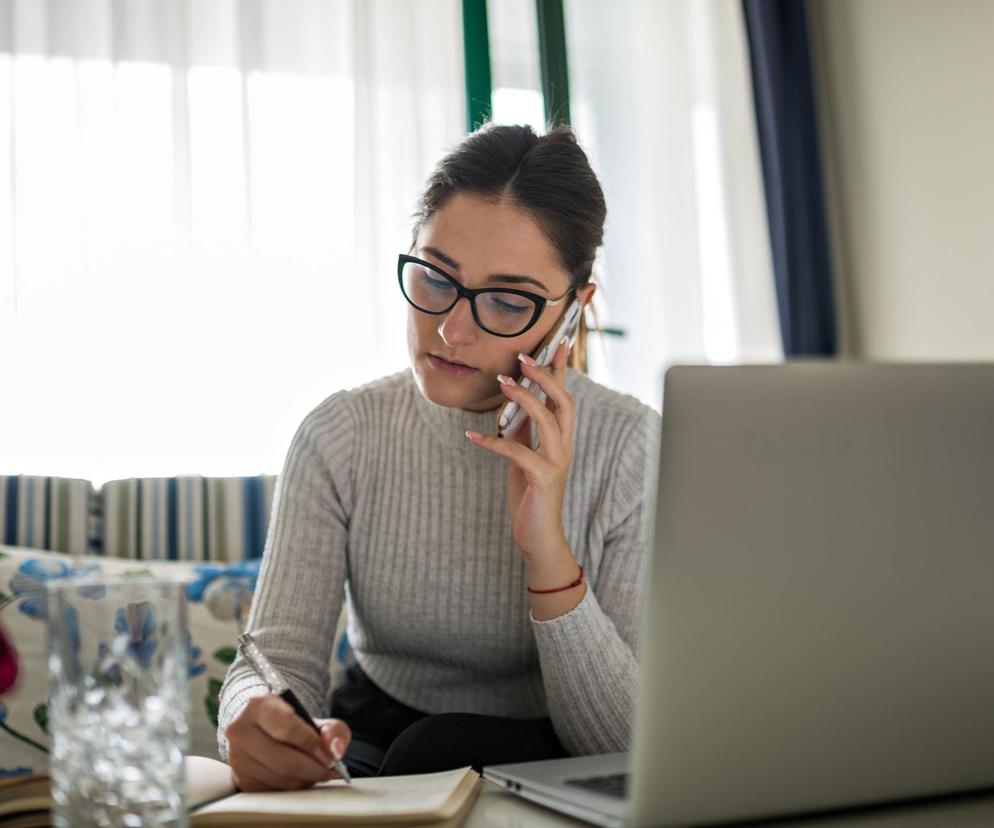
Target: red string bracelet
(576,583)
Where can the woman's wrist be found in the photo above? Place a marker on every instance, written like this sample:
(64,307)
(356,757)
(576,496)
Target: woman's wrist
(551,573)
(555,568)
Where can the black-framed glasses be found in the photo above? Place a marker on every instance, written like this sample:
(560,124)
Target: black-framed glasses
(499,311)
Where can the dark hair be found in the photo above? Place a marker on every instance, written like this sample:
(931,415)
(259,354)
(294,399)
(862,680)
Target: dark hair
(547,176)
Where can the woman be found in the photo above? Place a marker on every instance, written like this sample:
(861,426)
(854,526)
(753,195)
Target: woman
(478,637)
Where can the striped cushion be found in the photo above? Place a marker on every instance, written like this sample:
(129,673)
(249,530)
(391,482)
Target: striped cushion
(187,518)
(49,513)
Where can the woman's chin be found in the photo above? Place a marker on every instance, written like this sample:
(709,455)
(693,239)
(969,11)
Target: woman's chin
(453,392)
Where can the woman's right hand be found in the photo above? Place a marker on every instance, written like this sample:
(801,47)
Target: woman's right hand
(271,748)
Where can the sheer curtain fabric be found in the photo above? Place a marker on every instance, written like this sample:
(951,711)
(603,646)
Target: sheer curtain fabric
(661,100)
(201,204)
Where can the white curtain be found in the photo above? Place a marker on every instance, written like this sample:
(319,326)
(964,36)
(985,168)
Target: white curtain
(661,99)
(201,204)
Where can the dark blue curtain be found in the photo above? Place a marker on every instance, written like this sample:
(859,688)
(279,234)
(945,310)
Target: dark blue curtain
(795,198)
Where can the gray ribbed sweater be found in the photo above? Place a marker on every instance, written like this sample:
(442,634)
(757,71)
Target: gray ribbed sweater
(382,493)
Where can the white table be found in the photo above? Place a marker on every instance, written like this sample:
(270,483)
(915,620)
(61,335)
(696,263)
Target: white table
(496,808)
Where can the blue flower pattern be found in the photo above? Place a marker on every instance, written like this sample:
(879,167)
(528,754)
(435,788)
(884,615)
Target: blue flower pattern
(137,622)
(194,667)
(28,583)
(226,590)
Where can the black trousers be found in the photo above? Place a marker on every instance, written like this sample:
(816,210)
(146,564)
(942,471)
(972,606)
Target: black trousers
(391,739)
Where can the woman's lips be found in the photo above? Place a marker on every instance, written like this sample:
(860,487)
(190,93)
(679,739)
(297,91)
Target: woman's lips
(450,369)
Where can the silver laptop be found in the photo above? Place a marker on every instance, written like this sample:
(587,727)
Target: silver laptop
(819,623)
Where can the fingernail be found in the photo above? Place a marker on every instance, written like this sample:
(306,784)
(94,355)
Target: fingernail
(474,435)
(527,360)
(564,341)
(503,379)
(338,748)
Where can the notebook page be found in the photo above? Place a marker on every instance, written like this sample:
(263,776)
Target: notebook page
(206,779)
(369,798)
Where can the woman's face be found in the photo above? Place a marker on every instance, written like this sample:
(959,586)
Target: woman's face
(472,240)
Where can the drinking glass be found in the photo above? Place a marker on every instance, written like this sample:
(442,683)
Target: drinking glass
(118,701)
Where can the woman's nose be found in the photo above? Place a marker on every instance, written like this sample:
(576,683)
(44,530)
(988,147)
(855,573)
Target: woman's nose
(458,326)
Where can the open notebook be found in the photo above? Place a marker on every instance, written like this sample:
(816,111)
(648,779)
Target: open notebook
(438,799)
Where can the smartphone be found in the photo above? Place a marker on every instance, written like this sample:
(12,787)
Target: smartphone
(511,415)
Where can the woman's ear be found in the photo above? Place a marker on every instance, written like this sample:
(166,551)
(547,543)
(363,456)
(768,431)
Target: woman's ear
(586,293)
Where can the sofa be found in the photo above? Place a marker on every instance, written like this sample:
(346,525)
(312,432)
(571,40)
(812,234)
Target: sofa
(219,591)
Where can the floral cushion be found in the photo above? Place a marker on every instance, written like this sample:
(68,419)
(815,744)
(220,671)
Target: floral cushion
(218,602)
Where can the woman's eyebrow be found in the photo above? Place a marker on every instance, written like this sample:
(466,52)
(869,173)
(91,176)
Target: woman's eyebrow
(497,277)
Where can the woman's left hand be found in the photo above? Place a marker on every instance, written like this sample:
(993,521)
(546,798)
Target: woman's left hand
(536,480)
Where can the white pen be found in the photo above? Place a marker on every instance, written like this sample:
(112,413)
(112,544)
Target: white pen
(277,684)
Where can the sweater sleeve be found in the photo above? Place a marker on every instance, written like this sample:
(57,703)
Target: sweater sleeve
(587,655)
(298,595)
